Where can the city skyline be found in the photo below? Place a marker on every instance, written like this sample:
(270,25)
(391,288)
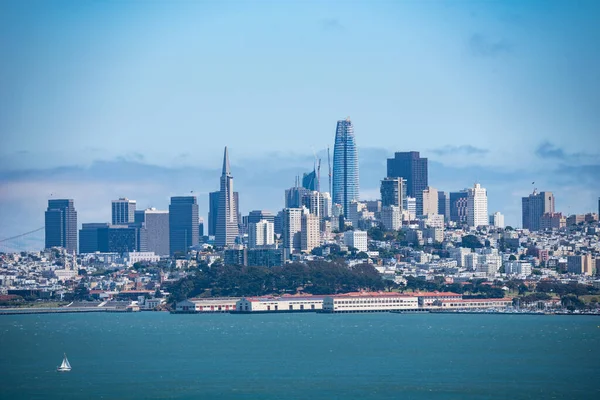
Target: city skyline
(463,117)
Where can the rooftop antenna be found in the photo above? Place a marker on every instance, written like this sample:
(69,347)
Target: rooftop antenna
(319,175)
(317,169)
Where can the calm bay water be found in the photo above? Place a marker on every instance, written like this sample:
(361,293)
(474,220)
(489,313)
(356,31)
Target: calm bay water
(300,356)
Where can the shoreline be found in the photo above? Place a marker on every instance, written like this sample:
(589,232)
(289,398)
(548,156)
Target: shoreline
(66,310)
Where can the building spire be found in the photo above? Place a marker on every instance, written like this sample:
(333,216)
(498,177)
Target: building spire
(226,168)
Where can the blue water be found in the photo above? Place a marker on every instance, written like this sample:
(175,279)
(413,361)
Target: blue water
(300,356)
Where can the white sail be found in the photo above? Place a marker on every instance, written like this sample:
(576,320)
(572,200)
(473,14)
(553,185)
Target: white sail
(65,366)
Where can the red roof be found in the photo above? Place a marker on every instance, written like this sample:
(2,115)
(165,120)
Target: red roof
(371,294)
(475,300)
(434,294)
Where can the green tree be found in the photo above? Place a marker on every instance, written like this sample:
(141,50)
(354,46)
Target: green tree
(471,241)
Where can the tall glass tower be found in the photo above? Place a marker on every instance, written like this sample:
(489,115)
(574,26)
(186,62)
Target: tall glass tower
(345,165)
(61,225)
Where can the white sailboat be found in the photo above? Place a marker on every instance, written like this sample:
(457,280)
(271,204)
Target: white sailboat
(65,366)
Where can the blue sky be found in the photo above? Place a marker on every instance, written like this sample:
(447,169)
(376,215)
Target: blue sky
(101,99)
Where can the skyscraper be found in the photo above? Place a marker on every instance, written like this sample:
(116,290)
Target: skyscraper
(183,223)
(227,218)
(156,223)
(413,168)
(393,192)
(294,195)
(458,207)
(345,165)
(213,210)
(444,205)
(123,211)
(61,225)
(534,206)
(89,237)
(310,181)
(477,209)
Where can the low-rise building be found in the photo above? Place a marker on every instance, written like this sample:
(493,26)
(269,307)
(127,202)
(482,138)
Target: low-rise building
(279,304)
(225,304)
(369,302)
(427,299)
(476,304)
(356,239)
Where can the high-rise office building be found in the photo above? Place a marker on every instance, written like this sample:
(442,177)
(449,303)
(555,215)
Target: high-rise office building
(156,223)
(477,209)
(318,204)
(310,181)
(88,237)
(345,165)
(413,168)
(444,205)
(227,217)
(534,206)
(294,196)
(257,215)
(430,201)
(107,238)
(123,211)
(213,210)
(393,192)
(310,232)
(458,207)
(61,225)
(183,224)
(261,233)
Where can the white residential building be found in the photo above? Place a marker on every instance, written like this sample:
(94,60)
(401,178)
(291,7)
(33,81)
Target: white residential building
(432,220)
(477,210)
(355,209)
(144,256)
(292,228)
(391,217)
(497,220)
(410,207)
(310,233)
(517,267)
(356,239)
(430,201)
(261,233)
